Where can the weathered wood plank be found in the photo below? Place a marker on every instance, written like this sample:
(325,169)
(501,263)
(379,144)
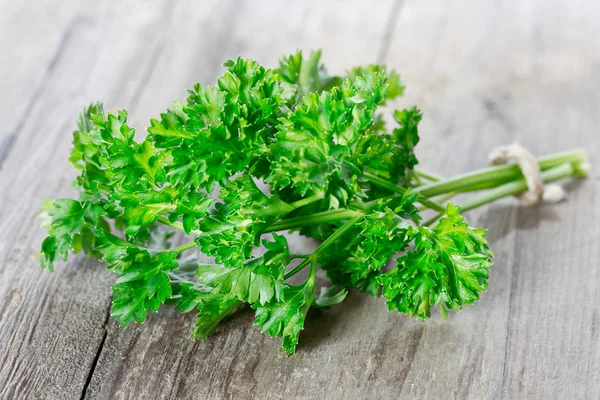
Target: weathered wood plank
(239,361)
(484,74)
(23,72)
(5,146)
(552,345)
(494,79)
(51,325)
(29,53)
(463,357)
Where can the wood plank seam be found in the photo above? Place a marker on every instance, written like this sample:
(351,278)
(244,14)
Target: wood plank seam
(160,46)
(62,44)
(137,93)
(512,288)
(6,144)
(98,353)
(157,53)
(389,31)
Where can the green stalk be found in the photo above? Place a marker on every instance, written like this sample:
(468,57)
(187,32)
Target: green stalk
(503,180)
(294,205)
(441,199)
(287,224)
(516,187)
(433,205)
(307,201)
(382,183)
(174,225)
(312,259)
(184,247)
(335,235)
(312,219)
(298,268)
(576,156)
(491,177)
(484,178)
(445,197)
(430,176)
(293,256)
(312,277)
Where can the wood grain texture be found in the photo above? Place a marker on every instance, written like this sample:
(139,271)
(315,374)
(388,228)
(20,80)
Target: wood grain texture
(5,146)
(32,39)
(481,83)
(485,74)
(52,325)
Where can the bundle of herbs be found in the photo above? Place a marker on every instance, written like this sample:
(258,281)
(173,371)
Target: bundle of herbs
(335,172)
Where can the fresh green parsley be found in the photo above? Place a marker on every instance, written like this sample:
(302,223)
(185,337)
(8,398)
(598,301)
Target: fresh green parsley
(335,171)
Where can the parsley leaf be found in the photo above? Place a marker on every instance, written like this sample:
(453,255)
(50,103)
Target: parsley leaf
(313,148)
(449,267)
(335,172)
(306,74)
(220,289)
(285,317)
(359,258)
(66,221)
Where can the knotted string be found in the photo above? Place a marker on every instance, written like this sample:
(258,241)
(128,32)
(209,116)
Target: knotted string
(537,191)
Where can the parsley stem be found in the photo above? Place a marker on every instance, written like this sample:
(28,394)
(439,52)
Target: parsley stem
(516,187)
(293,256)
(491,177)
(339,232)
(503,180)
(445,197)
(312,276)
(307,201)
(296,204)
(433,205)
(438,202)
(430,176)
(485,178)
(174,225)
(512,188)
(177,278)
(382,183)
(298,268)
(312,259)
(184,247)
(312,219)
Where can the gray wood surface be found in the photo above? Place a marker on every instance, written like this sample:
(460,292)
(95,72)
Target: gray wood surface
(485,73)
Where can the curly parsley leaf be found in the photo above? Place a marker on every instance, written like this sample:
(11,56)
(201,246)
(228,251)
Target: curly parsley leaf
(233,229)
(448,267)
(313,148)
(285,317)
(359,258)
(221,289)
(395,87)
(66,222)
(335,172)
(221,130)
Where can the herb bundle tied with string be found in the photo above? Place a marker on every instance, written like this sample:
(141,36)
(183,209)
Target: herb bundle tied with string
(335,171)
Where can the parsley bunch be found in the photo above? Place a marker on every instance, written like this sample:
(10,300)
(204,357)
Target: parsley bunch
(335,171)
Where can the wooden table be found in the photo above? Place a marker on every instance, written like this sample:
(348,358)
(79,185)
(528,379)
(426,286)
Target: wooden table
(484,73)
